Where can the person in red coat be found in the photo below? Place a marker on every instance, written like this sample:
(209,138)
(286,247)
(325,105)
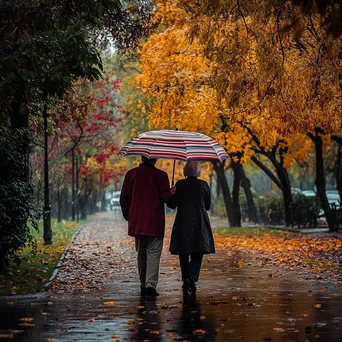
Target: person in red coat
(144,192)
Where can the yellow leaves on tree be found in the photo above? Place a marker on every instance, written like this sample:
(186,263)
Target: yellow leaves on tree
(175,80)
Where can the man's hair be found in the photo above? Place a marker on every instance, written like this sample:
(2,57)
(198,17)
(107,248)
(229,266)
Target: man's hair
(192,169)
(146,160)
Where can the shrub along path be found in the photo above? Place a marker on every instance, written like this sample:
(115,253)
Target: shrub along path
(261,285)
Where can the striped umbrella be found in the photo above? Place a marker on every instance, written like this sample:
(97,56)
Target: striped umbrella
(180,145)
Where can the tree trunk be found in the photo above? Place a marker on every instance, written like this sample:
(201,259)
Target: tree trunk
(77,196)
(246,185)
(221,178)
(282,181)
(103,201)
(83,203)
(73,207)
(338,171)
(320,181)
(287,194)
(59,204)
(65,208)
(218,189)
(236,193)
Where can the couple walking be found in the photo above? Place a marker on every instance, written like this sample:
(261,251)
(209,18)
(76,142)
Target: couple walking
(144,192)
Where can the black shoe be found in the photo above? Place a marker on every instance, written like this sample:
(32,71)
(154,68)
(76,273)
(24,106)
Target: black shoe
(142,289)
(151,291)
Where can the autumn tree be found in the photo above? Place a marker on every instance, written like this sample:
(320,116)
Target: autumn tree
(276,61)
(187,89)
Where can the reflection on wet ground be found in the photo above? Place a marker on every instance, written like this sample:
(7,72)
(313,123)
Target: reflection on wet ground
(233,303)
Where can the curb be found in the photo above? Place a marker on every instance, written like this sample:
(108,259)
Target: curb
(300,230)
(40,292)
(66,252)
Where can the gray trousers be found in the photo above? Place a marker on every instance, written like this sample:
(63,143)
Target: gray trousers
(149,251)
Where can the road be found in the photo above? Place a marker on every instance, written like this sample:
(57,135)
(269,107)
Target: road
(95,297)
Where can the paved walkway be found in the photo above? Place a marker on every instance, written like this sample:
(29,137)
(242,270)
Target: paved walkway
(95,297)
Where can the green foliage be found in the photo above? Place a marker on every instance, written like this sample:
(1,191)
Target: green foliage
(46,45)
(219,207)
(305,210)
(15,195)
(271,210)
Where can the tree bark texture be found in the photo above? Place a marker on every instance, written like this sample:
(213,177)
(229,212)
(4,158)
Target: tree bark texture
(221,178)
(320,181)
(246,185)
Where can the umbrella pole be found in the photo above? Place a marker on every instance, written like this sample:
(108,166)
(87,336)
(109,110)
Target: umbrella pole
(173,173)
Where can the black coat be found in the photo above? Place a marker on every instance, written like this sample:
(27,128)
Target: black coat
(191,231)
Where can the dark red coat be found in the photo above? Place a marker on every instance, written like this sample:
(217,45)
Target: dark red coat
(144,192)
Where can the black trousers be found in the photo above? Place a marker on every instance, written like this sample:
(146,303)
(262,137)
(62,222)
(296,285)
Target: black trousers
(190,265)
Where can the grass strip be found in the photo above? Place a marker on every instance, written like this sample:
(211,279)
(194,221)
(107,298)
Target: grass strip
(249,231)
(36,267)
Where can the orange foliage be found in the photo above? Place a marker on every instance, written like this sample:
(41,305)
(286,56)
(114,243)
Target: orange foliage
(289,251)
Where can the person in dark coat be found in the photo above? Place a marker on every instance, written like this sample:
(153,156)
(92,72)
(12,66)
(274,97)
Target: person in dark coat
(191,234)
(144,192)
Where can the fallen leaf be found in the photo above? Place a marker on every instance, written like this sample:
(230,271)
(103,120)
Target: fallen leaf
(110,302)
(154,332)
(27,325)
(26,319)
(115,336)
(198,332)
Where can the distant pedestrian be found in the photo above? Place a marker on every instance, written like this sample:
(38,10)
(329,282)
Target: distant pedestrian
(144,192)
(191,234)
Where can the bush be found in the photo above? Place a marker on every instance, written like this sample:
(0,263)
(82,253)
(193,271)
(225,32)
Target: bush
(271,210)
(305,210)
(219,208)
(16,208)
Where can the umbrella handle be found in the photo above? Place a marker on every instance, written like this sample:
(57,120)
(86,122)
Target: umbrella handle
(173,173)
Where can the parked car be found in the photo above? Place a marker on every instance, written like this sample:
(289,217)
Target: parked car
(309,193)
(334,198)
(115,201)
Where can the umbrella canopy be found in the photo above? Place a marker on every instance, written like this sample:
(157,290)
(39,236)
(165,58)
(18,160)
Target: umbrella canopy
(180,145)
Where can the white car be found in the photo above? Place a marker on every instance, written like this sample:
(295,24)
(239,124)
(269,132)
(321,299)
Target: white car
(334,198)
(115,200)
(309,193)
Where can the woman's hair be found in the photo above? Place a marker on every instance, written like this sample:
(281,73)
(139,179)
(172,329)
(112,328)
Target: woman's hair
(192,169)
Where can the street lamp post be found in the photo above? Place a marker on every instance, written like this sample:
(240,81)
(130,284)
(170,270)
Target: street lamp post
(73,204)
(47,205)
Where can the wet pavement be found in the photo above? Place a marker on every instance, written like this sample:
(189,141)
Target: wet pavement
(95,297)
